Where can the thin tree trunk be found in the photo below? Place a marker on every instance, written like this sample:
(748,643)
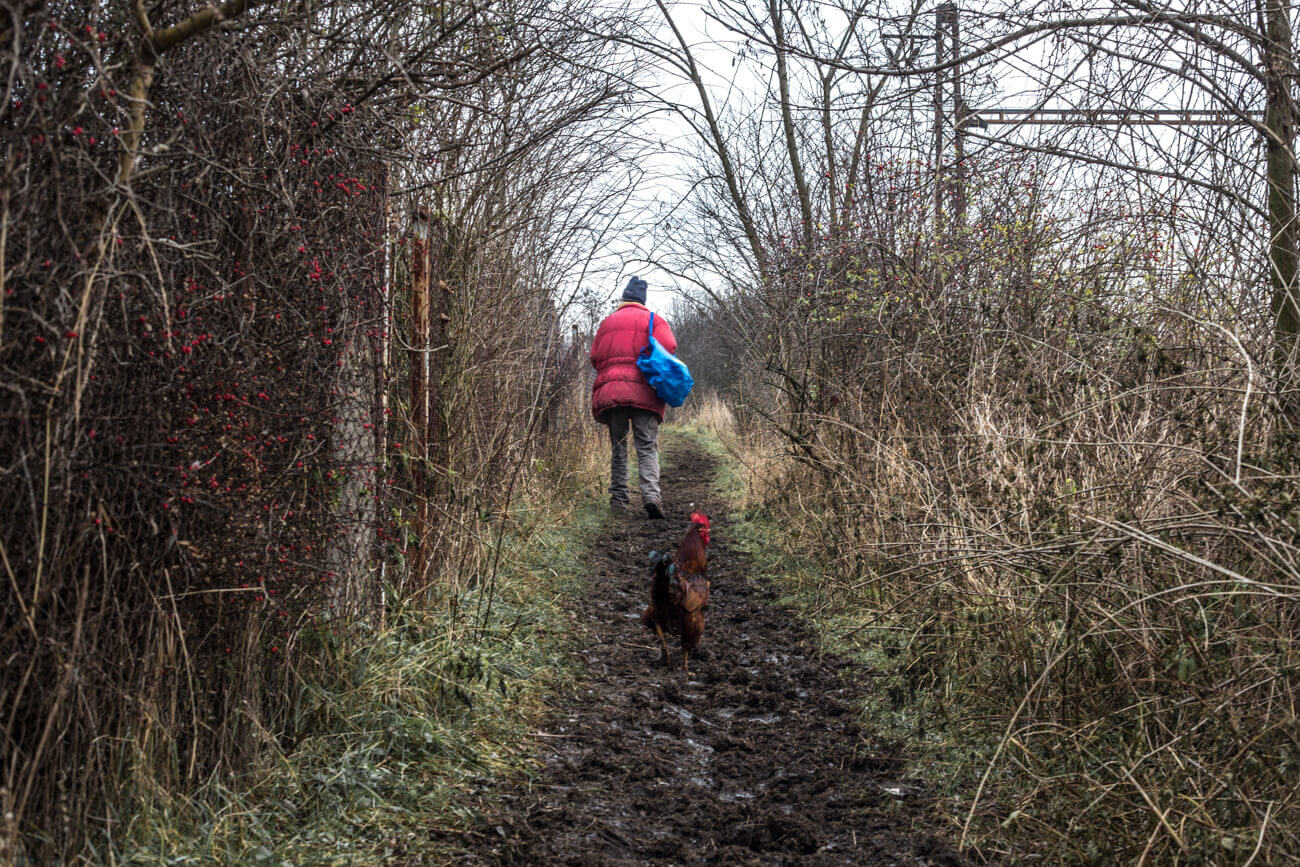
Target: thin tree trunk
(352,592)
(719,143)
(828,138)
(787,122)
(1279,119)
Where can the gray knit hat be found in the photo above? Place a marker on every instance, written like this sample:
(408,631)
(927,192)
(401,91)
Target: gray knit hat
(635,290)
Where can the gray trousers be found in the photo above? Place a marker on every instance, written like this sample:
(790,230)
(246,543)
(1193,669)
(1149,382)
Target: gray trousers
(645,432)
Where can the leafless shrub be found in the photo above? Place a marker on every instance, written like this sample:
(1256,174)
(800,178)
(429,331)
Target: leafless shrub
(204,446)
(1046,460)
(1042,442)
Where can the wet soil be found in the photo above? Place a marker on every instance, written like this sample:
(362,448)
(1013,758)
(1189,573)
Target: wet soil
(756,758)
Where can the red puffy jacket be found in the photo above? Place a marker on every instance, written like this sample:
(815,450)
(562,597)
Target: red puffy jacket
(619,340)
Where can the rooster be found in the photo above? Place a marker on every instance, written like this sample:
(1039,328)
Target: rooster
(679,590)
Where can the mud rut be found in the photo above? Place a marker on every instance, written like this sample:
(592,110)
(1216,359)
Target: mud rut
(755,759)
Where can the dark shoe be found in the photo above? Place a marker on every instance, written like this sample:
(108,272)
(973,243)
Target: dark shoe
(654,511)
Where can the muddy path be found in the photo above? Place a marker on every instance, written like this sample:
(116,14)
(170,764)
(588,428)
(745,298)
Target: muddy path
(756,758)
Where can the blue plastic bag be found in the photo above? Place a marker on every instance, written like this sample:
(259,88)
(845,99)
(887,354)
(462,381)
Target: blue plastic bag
(666,373)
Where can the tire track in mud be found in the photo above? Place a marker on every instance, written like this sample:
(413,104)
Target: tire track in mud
(757,758)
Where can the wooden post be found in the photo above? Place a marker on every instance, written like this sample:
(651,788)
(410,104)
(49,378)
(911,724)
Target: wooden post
(383,360)
(419,360)
(442,246)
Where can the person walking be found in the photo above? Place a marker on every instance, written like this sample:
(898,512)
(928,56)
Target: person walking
(621,396)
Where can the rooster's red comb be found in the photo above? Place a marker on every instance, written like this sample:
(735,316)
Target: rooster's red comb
(701,519)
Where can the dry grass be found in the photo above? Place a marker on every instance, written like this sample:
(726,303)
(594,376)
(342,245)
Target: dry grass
(1059,514)
(1105,666)
(753,466)
(709,411)
(1114,605)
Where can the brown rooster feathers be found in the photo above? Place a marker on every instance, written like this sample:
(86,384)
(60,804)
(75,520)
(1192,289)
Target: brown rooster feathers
(679,590)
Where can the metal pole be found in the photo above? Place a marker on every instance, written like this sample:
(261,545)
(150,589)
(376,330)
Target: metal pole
(958,109)
(938,118)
